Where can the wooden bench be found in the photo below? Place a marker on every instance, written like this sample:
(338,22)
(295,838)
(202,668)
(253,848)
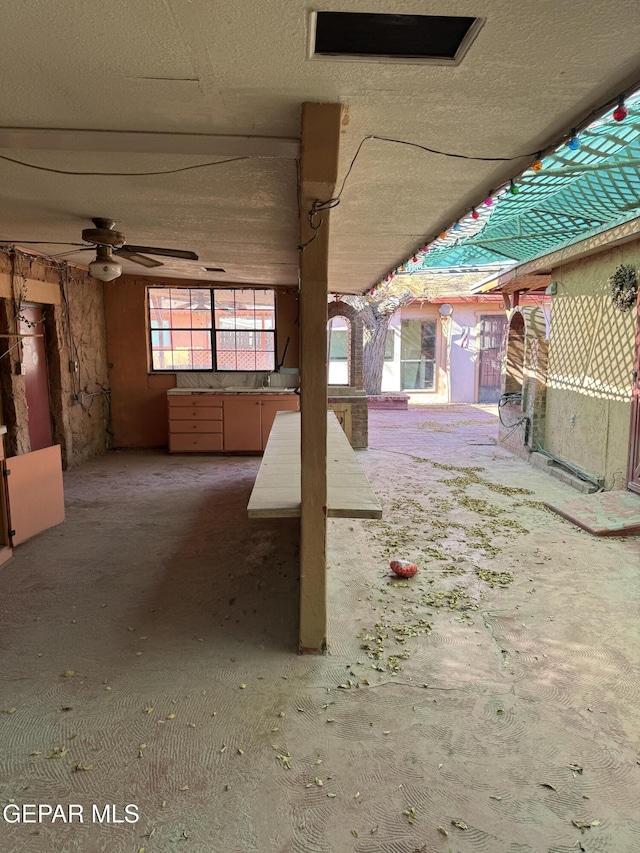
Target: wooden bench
(276,493)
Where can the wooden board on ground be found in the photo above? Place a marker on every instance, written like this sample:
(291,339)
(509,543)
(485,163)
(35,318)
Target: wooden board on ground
(36,494)
(276,493)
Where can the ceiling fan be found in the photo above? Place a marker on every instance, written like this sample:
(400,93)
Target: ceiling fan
(107,242)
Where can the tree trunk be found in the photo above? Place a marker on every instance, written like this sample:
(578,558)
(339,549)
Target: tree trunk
(373,355)
(376,324)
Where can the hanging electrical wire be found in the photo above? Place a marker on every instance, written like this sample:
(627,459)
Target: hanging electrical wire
(121,174)
(465,234)
(317,206)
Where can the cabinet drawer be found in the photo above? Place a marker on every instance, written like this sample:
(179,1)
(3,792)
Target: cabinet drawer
(185,443)
(195,426)
(180,400)
(201,413)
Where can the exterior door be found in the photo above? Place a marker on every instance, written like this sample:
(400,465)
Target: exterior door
(492,332)
(36,379)
(633,475)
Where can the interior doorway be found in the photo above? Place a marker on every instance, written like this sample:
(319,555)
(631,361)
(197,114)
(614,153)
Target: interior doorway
(492,334)
(36,377)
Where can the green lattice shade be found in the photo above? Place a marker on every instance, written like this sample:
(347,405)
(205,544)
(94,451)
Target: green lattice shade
(577,193)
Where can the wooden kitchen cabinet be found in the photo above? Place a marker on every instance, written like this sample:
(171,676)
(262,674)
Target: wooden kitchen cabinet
(268,411)
(248,420)
(235,423)
(242,422)
(195,423)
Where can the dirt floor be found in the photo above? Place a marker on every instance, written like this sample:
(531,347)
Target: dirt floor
(489,704)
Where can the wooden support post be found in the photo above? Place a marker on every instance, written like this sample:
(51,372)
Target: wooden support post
(321,124)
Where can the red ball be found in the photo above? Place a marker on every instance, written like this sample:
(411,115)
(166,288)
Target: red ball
(620,113)
(403,568)
(475,214)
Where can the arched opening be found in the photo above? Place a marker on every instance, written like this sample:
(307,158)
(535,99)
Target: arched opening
(339,351)
(346,396)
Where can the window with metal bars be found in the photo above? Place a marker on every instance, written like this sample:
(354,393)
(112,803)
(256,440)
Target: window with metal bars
(211,329)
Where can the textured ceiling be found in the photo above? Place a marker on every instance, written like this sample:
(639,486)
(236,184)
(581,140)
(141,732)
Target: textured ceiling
(240,67)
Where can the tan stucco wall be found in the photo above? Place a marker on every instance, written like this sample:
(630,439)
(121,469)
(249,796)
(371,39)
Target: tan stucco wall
(590,363)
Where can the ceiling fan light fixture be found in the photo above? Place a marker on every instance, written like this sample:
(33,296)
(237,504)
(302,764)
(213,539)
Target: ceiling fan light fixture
(104,267)
(105,270)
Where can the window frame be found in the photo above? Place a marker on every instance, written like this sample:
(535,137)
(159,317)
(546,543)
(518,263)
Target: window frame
(212,330)
(341,359)
(421,360)
(390,336)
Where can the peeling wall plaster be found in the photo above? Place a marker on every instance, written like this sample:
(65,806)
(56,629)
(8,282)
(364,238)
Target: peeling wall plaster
(74,333)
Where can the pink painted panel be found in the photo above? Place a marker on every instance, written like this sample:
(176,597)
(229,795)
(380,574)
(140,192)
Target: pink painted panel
(36,494)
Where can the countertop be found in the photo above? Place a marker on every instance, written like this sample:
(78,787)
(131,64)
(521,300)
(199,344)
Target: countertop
(231,391)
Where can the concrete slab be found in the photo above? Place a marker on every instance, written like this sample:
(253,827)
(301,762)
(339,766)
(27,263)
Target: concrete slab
(505,687)
(603,514)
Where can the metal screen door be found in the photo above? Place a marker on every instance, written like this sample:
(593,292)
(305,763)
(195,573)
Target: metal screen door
(491,348)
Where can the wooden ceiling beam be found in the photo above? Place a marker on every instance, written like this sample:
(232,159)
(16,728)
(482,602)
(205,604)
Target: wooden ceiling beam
(136,142)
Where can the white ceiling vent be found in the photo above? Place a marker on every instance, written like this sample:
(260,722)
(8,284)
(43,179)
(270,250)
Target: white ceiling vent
(372,37)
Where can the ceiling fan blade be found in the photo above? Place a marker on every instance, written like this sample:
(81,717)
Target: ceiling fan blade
(73,251)
(136,258)
(163,253)
(43,243)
